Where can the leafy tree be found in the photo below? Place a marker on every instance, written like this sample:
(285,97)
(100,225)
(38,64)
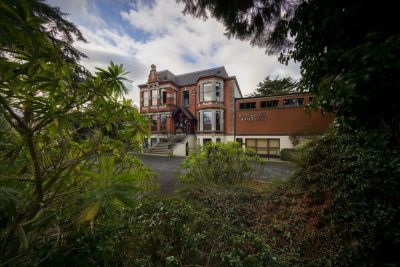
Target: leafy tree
(348,51)
(277,86)
(67,135)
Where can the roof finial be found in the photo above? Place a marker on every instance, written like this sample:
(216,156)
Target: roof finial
(153,74)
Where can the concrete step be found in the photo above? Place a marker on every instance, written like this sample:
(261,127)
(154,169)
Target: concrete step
(162,148)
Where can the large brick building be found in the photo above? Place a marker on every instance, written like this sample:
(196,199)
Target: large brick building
(208,106)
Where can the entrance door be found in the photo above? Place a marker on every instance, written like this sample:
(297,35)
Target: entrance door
(182,123)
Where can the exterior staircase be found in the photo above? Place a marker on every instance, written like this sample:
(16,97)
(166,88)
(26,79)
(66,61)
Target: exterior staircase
(166,148)
(162,149)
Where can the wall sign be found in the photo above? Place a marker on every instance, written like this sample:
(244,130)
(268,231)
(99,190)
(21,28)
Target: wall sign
(253,117)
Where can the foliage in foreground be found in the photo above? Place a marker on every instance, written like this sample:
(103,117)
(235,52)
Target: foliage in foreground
(65,134)
(174,232)
(358,173)
(221,163)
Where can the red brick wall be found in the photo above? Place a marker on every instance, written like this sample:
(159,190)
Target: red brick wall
(228,99)
(280,120)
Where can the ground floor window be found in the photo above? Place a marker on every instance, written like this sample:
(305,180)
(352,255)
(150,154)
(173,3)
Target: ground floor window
(153,141)
(163,122)
(146,143)
(240,141)
(207,120)
(154,123)
(218,140)
(211,120)
(264,146)
(206,140)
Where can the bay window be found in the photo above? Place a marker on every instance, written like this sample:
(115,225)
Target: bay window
(207,120)
(211,91)
(218,120)
(218,92)
(154,97)
(211,120)
(208,92)
(163,96)
(146,99)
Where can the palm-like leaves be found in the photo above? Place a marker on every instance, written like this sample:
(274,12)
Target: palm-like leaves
(63,119)
(112,184)
(114,79)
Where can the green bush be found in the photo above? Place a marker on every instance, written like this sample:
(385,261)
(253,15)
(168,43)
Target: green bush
(163,233)
(221,163)
(358,173)
(289,154)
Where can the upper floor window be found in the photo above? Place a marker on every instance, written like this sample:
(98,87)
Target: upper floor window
(208,92)
(163,96)
(145,98)
(154,97)
(248,105)
(310,100)
(211,91)
(269,104)
(293,102)
(186,98)
(218,91)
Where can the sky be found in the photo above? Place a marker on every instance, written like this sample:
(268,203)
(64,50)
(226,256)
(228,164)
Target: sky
(138,33)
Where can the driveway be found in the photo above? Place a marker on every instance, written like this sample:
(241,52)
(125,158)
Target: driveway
(167,168)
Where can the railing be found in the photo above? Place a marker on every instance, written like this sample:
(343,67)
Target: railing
(178,138)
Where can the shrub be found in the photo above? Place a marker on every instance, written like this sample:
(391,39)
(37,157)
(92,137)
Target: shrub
(163,233)
(361,173)
(221,163)
(289,154)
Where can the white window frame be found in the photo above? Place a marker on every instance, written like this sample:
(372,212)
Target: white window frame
(154,97)
(145,98)
(213,120)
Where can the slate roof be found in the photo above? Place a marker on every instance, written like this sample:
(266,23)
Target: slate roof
(191,77)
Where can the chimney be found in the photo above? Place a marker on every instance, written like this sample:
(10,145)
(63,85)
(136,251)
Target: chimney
(153,76)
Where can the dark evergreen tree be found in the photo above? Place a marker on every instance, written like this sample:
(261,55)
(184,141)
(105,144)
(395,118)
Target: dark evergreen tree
(277,86)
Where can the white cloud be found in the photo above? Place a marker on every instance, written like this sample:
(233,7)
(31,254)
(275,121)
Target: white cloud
(173,38)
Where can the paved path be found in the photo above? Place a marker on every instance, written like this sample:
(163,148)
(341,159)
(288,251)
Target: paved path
(167,168)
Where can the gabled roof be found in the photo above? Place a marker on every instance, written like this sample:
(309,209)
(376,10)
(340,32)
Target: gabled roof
(185,111)
(191,77)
